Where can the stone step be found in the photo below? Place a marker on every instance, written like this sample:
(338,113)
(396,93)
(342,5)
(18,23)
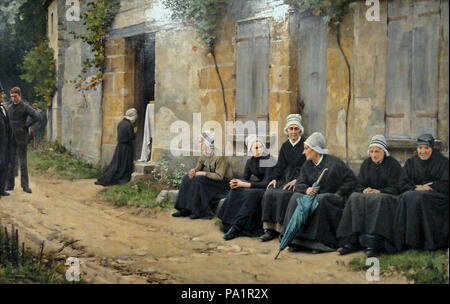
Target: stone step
(143,167)
(139,176)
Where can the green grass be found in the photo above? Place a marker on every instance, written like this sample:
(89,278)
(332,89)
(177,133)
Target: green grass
(23,266)
(49,161)
(139,193)
(420,267)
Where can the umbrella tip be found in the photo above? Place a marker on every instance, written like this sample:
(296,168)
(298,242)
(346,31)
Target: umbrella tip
(276,257)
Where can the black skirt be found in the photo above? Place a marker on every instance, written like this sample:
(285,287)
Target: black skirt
(368,213)
(201,195)
(242,208)
(121,167)
(421,221)
(322,225)
(274,204)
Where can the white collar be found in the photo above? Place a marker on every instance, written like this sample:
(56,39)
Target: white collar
(294,143)
(320,160)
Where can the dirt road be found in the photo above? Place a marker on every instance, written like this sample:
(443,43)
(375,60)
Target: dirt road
(133,245)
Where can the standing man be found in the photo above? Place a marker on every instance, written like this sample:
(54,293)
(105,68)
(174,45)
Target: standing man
(18,112)
(5,145)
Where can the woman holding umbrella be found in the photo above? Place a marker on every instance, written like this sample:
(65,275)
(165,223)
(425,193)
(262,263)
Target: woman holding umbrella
(281,188)
(319,231)
(369,213)
(242,207)
(421,219)
(205,184)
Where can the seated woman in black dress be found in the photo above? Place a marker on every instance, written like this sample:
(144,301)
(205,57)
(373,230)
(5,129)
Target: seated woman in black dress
(121,167)
(281,188)
(319,231)
(421,220)
(242,207)
(369,213)
(203,187)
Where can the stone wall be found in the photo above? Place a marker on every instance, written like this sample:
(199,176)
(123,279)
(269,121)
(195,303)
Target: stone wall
(187,83)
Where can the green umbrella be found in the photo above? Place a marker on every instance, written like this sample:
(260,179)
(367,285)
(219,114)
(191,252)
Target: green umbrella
(305,207)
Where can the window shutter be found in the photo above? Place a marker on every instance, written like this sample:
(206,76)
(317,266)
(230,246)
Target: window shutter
(253,57)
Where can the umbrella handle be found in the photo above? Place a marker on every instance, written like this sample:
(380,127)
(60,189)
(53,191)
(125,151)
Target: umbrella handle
(276,257)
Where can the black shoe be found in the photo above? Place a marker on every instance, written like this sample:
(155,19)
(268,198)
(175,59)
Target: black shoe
(181,213)
(4,193)
(27,189)
(347,249)
(293,248)
(268,236)
(224,228)
(371,252)
(231,234)
(195,217)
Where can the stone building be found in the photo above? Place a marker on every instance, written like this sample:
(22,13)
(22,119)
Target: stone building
(273,61)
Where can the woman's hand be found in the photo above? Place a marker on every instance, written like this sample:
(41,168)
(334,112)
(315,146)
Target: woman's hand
(311,191)
(290,185)
(273,183)
(200,173)
(234,183)
(369,190)
(425,187)
(191,173)
(135,129)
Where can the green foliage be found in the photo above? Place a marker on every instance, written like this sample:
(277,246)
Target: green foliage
(19,264)
(139,193)
(22,27)
(420,267)
(39,68)
(98,20)
(53,158)
(330,10)
(162,174)
(201,13)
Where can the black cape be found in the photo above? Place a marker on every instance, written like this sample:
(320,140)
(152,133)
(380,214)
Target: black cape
(338,182)
(242,206)
(289,164)
(421,220)
(121,167)
(372,213)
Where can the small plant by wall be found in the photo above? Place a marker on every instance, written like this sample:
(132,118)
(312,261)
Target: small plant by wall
(203,14)
(98,19)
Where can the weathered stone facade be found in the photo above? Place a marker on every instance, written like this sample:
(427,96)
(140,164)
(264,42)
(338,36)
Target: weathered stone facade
(186,81)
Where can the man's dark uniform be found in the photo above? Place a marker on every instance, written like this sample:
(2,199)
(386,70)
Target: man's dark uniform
(5,147)
(18,114)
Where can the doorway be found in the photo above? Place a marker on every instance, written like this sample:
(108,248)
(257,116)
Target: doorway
(144,82)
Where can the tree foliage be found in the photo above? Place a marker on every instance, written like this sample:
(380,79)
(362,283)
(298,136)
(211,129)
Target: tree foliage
(203,14)
(39,68)
(22,27)
(330,10)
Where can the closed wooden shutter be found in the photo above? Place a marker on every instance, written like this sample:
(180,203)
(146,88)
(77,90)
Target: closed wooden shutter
(312,72)
(399,55)
(413,68)
(425,67)
(253,57)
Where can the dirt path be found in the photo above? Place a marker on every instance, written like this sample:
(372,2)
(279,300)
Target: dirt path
(132,245)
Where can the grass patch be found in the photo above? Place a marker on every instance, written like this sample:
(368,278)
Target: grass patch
(420,267)
(139,193)
(54,159)
(20,265)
